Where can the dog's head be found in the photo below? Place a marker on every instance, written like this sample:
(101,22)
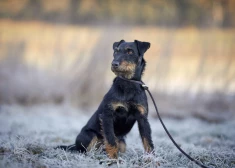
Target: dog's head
(128,59)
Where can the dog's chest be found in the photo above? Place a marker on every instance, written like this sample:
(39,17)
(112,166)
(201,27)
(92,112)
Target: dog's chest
(124,109)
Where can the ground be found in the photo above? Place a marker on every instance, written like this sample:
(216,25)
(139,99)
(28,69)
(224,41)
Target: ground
(28,136)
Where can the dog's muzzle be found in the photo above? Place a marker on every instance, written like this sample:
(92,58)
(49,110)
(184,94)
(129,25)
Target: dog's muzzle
(115,64)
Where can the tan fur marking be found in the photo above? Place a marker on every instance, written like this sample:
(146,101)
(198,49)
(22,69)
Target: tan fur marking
(126,69)
(127,66)
(129,69)
(101,126)
(122,147)
(115,105)
(147,147)
(92,143)
(141,109)
(112,151)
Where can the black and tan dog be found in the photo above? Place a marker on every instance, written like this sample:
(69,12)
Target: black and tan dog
(123,105)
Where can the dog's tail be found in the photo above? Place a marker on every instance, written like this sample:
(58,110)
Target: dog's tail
(67,148)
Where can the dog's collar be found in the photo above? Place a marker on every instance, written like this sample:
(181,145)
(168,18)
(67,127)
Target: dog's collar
(135,81)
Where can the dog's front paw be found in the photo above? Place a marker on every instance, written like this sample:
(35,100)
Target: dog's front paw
(112,151)
(122,147)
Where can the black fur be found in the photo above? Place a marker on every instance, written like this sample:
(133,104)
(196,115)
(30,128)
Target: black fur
(123,105)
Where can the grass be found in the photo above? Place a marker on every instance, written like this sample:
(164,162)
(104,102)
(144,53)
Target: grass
(192,71)
(28,136)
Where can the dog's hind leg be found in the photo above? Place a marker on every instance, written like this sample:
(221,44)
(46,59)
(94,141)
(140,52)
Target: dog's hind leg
(85,141)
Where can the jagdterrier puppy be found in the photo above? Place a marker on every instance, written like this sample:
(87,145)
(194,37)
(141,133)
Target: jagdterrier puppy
(123,105)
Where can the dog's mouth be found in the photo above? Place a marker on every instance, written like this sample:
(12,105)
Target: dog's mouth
(118,69)
(125,69)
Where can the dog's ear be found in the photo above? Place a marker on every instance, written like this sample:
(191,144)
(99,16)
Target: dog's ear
(142,47)
(116,44)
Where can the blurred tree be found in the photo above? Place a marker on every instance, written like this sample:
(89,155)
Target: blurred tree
(220,13)
(32,10)
(73,11)
(173,13)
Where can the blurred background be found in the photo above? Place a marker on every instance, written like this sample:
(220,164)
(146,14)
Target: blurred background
(60,52)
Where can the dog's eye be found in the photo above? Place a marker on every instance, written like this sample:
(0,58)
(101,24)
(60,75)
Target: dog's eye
(129,51)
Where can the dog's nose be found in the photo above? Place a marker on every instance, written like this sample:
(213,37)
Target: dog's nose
(115,64)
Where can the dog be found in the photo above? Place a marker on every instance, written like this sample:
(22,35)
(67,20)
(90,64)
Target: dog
(123,105)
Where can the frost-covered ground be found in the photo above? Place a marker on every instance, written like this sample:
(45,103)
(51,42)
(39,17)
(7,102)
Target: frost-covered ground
(28,135)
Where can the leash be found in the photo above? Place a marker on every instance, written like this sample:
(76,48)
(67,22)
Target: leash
(169,135)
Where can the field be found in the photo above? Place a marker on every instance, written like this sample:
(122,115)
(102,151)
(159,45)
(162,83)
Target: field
(28,135)
(53,76)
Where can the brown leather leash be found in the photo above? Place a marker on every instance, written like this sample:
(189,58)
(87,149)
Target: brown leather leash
(169,135)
